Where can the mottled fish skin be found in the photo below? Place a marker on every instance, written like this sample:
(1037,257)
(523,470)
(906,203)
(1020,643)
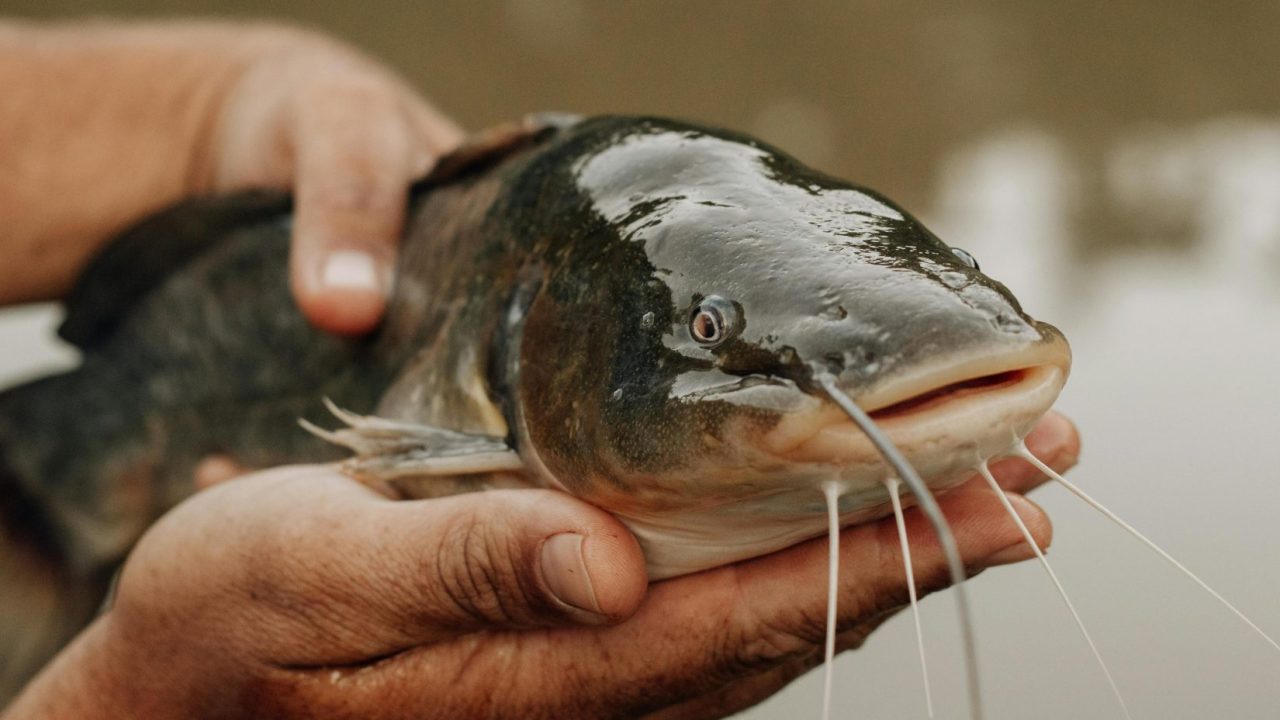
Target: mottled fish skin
(546,281)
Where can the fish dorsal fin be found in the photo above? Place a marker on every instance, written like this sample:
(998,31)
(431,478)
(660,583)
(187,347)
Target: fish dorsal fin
(490,146)
(140,259)
(386,450)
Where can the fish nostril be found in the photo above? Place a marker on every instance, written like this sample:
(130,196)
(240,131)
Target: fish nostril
(861,362)
(1010,323)
(836,313)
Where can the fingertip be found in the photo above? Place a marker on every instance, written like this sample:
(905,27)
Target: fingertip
(1055,440)
(985,533)
(616,566)
(1035,518)
(343,290)
(216,469)
(345,312)
(598,575)
(1007,544)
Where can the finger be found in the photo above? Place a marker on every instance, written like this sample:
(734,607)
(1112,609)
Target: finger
(748,691)
(357,150)
(740,694)
(871,577)
(1054,440)
(215,469)
(377,576)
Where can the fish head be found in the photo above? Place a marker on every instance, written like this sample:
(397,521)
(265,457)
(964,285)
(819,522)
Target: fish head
(671,361)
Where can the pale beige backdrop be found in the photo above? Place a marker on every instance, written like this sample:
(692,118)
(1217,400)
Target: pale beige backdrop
(1118,168)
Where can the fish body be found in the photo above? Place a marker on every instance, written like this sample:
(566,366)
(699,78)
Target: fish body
(632,310)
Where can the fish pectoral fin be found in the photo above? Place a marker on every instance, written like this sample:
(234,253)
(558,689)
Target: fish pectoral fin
(388,449)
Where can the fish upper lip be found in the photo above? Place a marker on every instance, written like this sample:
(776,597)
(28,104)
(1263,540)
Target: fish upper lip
(977,371)
(1017,383)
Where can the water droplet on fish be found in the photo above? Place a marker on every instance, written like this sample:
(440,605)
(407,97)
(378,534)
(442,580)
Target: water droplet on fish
(953,280)
(646,321)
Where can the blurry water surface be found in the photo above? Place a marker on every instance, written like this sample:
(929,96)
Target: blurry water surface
(1119,169)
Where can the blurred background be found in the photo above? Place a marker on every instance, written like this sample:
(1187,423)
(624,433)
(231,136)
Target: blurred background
(1117,167)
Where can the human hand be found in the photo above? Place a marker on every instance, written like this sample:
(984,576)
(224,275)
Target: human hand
(348,138)
(299,593)
(118,121)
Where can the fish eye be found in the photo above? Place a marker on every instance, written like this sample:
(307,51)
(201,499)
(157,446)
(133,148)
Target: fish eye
(713,320)
(966,257)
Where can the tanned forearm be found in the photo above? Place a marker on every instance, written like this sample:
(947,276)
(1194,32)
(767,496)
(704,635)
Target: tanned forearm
(75,685)
(101,124)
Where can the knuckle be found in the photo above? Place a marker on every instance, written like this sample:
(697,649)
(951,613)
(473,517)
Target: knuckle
(767,645)
(353,82)
(754,641)
(476,572)
(356,195)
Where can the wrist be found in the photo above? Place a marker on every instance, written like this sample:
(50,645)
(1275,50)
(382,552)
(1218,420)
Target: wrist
(110,672)
(83,681)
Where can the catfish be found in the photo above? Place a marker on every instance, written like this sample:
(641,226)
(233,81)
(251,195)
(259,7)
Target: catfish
(648,314)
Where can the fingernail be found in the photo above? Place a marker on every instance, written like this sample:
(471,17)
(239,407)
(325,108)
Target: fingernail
(565,572)
(1012,554)
(351,270)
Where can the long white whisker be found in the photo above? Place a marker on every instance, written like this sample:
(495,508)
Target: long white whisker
(1025,454)
(1044,562)
(832,491)
(892,485)
(929,506)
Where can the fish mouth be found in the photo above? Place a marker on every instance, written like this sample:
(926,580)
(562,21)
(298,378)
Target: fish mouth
(951,417)
(950,392)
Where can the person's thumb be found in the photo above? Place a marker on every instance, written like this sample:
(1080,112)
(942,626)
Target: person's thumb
(522,558)
(368,576)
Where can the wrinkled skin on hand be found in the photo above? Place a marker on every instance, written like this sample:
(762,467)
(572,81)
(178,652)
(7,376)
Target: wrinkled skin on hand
(298,593)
